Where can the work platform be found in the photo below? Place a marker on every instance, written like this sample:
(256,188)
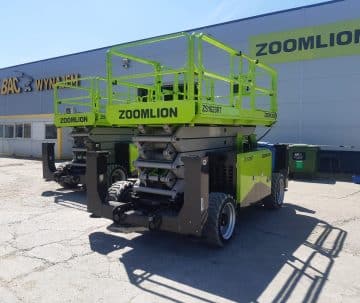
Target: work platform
(187,88)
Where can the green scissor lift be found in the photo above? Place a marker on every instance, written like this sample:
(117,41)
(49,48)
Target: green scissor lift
(82,108)
(195,103)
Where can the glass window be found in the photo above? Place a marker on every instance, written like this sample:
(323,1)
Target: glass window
(19,128)
(27,130)
(9,131)
(1,131)
(50,131)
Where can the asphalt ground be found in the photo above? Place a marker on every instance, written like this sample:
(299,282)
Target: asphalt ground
(51,250)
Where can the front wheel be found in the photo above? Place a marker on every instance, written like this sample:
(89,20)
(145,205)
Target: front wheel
(221,220)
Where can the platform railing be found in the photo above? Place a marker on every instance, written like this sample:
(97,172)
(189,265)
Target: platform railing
(243,83)
(194,81)
(151,83)
(87,97)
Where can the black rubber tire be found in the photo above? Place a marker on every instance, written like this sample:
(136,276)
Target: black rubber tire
(63,169)
(67,185)
(276,199)
(120,171)
(211,231)
(119,191)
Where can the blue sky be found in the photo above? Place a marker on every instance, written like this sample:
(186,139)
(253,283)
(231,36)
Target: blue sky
(40,29)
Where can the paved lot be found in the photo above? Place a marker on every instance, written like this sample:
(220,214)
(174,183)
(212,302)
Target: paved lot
(52,251)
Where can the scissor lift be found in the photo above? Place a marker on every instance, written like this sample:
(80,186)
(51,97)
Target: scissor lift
(83,109)
(198,157)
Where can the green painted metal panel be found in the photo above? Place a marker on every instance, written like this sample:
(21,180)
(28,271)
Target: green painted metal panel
(184,112)
(155,113)
(253,176)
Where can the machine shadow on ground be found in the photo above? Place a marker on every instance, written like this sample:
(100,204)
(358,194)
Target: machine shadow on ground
(174,267)
(73,198)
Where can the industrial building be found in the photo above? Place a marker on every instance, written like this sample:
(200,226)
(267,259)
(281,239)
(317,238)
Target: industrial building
(315,49)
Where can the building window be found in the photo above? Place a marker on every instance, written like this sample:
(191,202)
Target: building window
(50,131)
(27,130)
(1,130)
(19,129)
(9,131)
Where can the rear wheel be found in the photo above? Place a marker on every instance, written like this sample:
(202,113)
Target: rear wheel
(68,185)
(64,178)
(120,191)
(220,224)
(276,198)
(118,174)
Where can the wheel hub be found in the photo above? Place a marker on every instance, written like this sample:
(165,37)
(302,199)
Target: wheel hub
(118,175)
(224,219)
(227,221)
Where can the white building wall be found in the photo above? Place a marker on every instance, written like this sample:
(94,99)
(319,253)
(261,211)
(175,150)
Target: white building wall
(318,99)
(26,147)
